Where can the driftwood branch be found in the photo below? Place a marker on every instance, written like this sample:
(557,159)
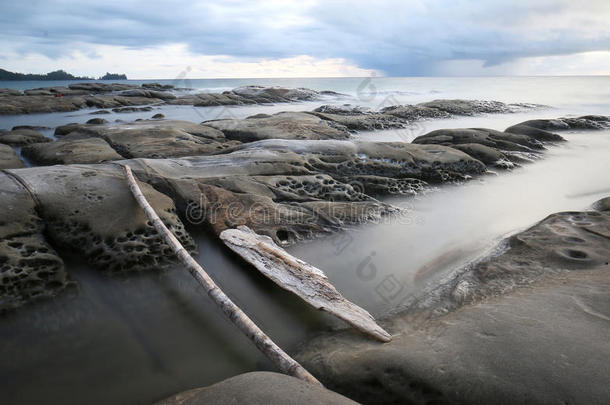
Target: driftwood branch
(300,278)
(282,360)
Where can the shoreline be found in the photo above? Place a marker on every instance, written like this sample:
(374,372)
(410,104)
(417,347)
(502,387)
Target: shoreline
(275,168)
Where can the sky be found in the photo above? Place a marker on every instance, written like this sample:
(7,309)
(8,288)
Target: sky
(307,38)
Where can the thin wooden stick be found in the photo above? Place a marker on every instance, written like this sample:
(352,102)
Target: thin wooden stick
(282,360)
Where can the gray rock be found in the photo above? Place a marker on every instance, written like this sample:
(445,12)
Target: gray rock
(362,121)
(541,127)
(259,388)
(467,107)
(31,127)
(45,104)
(483,136)
(536,133)
(21,137)
(285,125)
(131,109)
(71,151)
(98,87)
(10,92)
(162,95)
(40,104)
(29,268)
(154,139)
(602,205)
(89,209)
(8,158)
(158,116)
(97,121)
(415,112)
(54,91)
(285,208)
(490,156)
(261,94)
(282,188)
(343,159)
(157,86)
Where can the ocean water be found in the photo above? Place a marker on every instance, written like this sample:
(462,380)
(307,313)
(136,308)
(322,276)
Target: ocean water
(139,338)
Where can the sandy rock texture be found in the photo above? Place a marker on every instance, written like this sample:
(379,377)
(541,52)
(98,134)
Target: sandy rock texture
(258,388)
(29,267)
(90,210)
(22,137)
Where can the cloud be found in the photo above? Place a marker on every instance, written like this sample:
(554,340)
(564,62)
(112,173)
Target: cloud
(407,37)
(175,60)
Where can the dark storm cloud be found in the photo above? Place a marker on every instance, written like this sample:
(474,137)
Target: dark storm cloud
(397,37)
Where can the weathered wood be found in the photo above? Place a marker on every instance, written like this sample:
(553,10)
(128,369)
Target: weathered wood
(282,360)
(302,279)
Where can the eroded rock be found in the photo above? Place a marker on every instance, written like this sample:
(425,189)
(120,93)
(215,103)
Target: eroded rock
(153,139)
(29,267)
(71,151)
(344,159)
(359,120)
(540,129)
(155,94)
(90,209)
(472,107)
(118,96)
(495,148)
(21,137)
(8,158)
(285,125)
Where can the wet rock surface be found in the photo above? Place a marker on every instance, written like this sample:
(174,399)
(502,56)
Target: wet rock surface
(90,210)
(561,124)
(508,330)
(401,116)
(154,139)
(21,137)
(118,96)
(260,388)
(494,148)
(358,120)
(290,190)
(472,107)
(71,151)
(344,159)
(8,158)
(285,125)
(29,267)
(289,176)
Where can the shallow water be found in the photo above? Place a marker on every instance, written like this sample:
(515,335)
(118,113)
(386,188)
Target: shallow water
(380,266)
(559,91)
(142,337)
(138,338)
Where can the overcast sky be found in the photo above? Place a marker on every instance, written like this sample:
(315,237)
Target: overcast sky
(239,38)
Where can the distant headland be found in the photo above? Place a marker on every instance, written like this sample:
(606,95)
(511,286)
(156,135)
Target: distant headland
(56,75)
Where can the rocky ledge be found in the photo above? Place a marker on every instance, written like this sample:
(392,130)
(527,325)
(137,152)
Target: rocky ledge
(216,176)
(528,325)
(98,140)
(117,96)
